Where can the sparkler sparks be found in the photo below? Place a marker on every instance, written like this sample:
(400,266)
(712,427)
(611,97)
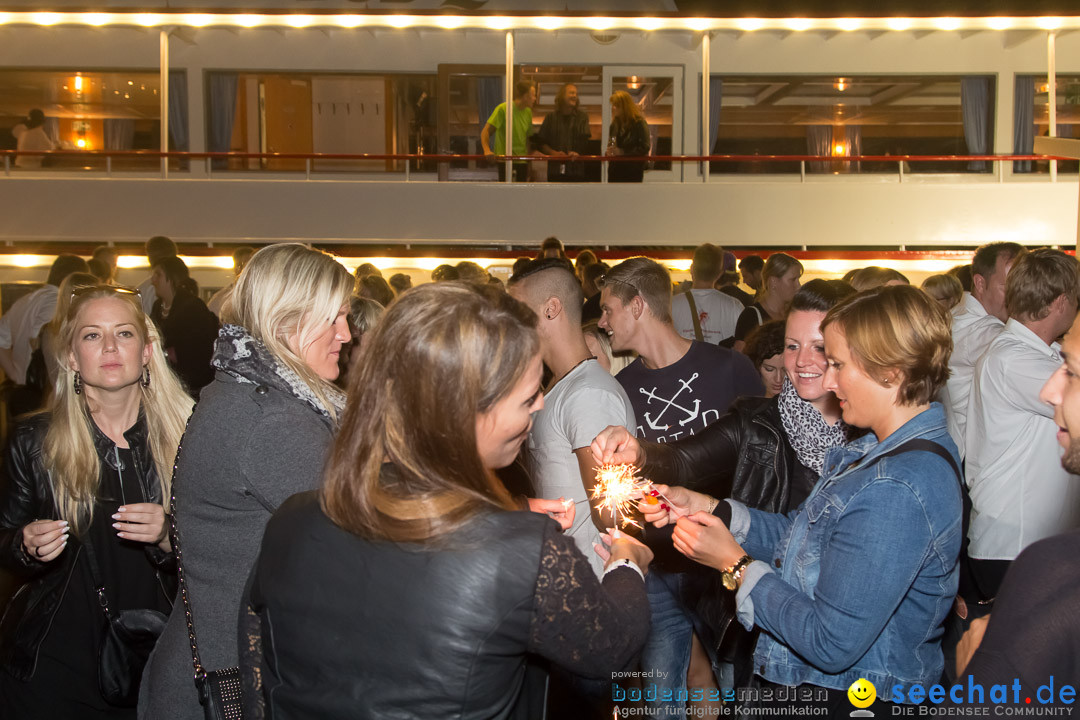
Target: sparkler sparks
(618,489)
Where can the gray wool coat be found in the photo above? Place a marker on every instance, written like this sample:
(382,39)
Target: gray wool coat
(247,449)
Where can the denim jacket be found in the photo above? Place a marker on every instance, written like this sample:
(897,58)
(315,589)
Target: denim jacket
(858,580)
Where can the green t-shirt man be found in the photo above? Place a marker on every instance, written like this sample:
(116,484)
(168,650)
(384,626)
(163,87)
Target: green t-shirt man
(522,127)
(524,99)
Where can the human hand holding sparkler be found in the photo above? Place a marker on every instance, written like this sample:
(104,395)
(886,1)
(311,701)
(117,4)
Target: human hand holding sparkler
(616,446)
(663,504)
(561,511)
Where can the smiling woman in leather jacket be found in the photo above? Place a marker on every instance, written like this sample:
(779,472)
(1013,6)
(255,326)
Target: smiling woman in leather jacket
(412,586)
(765,452)
(94,468)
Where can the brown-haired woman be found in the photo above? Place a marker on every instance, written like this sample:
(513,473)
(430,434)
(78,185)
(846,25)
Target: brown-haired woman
(628,135)
(411,585)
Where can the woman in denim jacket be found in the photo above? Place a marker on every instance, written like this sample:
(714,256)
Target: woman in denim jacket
(857,582)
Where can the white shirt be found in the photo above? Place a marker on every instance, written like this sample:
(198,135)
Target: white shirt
(973,329)
(718,314)
(148,295)
(1019,491)
(31,139)
(22,323)
(581,404)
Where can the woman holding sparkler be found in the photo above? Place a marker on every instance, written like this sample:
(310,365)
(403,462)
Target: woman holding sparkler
(412,585)
(765,452)
(857,582)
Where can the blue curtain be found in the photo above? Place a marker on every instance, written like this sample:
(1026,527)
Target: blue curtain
(975,110)
(119,134)
(819,142)
(222,112)
(1023,121)
(178,110)
(716,94)
(489,93)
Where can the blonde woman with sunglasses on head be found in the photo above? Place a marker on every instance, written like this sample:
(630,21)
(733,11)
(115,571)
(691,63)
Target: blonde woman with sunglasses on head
(92,470)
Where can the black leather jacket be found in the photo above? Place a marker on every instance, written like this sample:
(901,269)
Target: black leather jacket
(351,628)
(27,496)
(746,456)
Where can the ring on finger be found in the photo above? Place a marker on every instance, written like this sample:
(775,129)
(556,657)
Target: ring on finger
(37,551)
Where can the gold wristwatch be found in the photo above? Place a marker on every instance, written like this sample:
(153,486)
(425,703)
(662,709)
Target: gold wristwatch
(733,574)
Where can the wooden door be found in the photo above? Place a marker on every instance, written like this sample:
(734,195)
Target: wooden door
(286,111)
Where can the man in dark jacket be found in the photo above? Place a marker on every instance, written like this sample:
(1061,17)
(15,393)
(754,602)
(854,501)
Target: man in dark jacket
(563,136)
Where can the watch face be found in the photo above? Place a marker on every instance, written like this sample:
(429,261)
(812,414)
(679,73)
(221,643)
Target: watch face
(729,581)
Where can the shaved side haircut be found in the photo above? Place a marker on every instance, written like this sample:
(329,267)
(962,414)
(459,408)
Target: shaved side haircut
(553,277)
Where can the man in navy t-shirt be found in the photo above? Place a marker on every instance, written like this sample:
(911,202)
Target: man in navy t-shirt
(677,387)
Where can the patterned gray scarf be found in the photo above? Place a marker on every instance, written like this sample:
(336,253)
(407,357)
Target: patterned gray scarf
(238,354)
(807,430)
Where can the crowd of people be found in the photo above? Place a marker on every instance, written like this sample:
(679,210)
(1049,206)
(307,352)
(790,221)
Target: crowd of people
(329,494)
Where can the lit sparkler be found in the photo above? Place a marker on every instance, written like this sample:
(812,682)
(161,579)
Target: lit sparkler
(618,488)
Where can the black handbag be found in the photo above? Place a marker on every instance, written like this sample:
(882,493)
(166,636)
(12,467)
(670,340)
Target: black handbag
(219,690)
(129,637)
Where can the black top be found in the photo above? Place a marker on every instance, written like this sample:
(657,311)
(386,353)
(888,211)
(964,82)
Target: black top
(633,139)
(343,627)
(591,309)
(1034,630)
(683,398)
(188,335)
(753,316)
(129,579)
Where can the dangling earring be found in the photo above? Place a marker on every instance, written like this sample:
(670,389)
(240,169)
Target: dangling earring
(146,377)
(77,383)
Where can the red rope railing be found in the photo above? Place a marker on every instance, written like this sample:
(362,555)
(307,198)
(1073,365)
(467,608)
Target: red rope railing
(157,154)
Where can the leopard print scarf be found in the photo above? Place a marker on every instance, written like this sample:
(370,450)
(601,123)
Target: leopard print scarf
(809,434)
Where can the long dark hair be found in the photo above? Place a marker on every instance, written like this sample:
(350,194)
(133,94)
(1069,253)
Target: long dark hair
(441,355)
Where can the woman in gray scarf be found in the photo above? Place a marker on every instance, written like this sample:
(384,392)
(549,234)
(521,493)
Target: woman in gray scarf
(258,435)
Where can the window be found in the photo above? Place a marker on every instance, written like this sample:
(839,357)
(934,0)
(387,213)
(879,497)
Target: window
(88,110)
(334,114)
(1032,115)
(849,115)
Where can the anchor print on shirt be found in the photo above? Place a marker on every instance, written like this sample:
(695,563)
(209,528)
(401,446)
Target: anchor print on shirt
(690,414)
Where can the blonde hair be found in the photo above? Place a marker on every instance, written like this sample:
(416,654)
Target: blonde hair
(287,290)
(777,266)
(645,277)
(446,353)
(629,110)
(897,328)
(946,289)
(68,451)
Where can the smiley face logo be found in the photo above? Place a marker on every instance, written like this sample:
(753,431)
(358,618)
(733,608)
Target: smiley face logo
(862,693)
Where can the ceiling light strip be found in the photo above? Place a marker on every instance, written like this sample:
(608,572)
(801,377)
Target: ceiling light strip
(535,22)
